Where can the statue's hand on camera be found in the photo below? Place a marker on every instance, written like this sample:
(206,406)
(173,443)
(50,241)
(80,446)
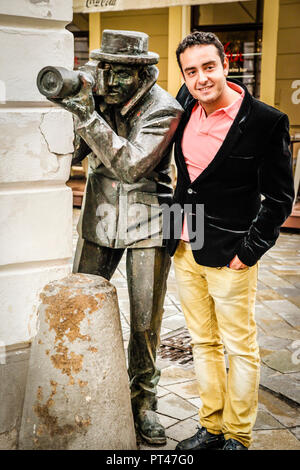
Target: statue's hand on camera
(82,104)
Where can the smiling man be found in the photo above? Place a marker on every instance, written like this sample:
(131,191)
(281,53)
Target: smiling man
(230,150)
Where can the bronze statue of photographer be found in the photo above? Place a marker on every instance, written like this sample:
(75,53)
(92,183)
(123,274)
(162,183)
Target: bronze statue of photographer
(125,123)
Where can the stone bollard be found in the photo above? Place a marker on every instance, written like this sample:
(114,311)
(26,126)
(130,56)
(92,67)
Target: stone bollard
(77,394)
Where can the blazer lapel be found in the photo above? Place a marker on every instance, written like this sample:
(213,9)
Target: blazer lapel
(183,122)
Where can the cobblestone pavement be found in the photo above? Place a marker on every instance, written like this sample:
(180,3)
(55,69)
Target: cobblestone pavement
(278,320)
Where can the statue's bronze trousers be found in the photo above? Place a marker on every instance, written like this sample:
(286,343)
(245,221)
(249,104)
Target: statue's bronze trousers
(147,272)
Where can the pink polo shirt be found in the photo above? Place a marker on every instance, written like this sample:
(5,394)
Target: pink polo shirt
(203,137)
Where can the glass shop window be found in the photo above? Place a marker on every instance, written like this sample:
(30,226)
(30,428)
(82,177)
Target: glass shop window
(81,49)
(243,49)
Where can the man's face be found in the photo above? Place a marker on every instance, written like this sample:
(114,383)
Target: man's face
(204,73)
(123,81)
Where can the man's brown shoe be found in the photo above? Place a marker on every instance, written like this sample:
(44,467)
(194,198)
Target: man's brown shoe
(202,440)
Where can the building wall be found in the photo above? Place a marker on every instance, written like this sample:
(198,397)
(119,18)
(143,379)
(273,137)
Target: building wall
(287,96)
(153,22)
(227,13)
(36,142)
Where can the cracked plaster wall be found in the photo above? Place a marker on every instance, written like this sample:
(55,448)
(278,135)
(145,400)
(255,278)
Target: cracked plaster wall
(36,143)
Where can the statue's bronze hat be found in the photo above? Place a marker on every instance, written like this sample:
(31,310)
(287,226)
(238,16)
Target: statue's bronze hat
(126,47)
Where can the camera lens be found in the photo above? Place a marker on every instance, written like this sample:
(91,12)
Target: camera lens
(58,82)
(50,83)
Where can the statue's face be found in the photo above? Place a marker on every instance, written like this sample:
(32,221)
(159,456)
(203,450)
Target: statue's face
(122,83)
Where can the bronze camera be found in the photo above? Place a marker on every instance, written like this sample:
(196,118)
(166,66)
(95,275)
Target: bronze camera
(59,82)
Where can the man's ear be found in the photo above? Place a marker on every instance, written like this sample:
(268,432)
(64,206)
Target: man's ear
(226,66)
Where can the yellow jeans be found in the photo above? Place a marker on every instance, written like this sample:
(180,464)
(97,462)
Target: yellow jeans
(218,305)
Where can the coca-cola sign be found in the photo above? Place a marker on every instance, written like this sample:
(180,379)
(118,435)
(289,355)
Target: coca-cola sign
(89,6)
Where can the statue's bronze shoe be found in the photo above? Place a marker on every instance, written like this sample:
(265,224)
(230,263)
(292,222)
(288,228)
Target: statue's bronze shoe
(149,427)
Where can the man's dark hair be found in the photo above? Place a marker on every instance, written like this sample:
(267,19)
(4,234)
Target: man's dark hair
(200,38)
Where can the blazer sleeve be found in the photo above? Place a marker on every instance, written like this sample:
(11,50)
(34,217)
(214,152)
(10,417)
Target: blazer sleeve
(277,188)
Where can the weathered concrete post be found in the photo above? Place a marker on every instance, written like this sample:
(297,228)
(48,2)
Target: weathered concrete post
(77,394)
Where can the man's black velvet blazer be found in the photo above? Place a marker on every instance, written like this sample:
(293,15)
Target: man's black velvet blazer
(253,161)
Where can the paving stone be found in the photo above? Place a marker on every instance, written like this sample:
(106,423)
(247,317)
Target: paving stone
(123,303)
(174,322)
(280,253)
(262,312)
(176,374)
(126,335)
(264,352)
(282,361)
(170,310)
(275,439)
(283,268)
(260,285)
(196,418)
(173,296)
(270,279)
(175,407)
(168,301)
(182,430)
(185,390)
(163,363)
(260,330)
(165,331)
(196,402)
(272,342)
(126,315)
(295,299)
(288,333)
(284,384)
(266,421)
(268,294)
(124,321)
(292,294)
(278,327)
(287,310)
(283,412)
(293,279)
(122,293)
(161,391)
(166,421)
(173,290)
(296,432)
